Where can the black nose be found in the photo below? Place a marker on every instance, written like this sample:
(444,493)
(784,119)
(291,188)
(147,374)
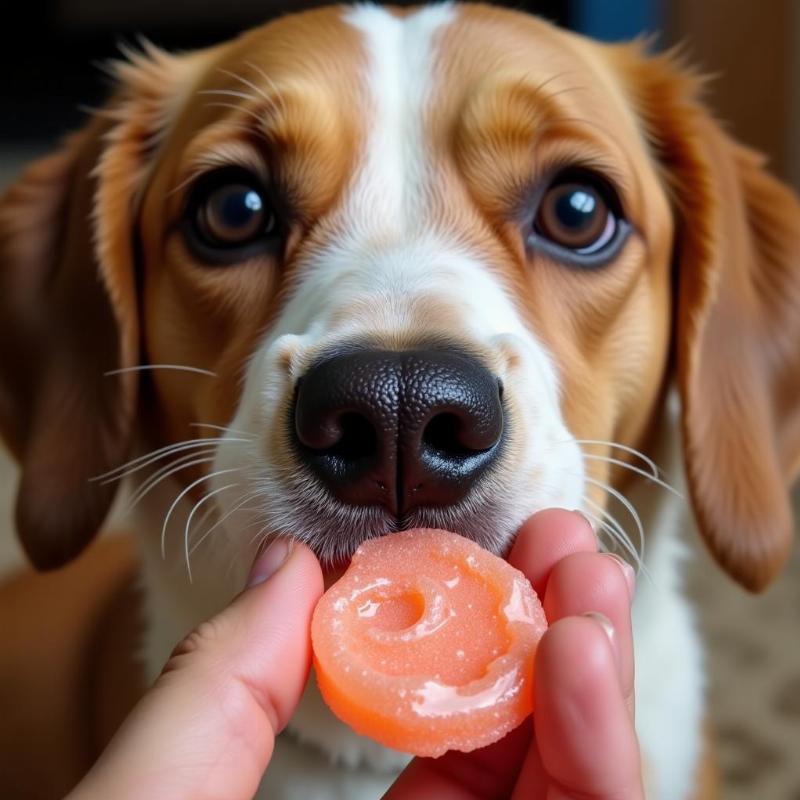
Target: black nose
(400,429)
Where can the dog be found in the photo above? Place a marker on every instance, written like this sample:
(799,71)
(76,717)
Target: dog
(364,269)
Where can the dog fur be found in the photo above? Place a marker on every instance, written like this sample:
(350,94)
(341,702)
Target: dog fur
(406,143)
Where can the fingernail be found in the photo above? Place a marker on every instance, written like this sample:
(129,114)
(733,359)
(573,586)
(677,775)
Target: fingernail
(606,625)
(271,560)
(627,570)
(588,521)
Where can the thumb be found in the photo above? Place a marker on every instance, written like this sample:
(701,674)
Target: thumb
(207,727)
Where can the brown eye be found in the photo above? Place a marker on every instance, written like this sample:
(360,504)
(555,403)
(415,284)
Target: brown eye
(575,216)
(578,220)
(234,214)
(230,217)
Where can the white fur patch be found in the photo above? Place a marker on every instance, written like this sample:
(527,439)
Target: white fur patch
(370,280)
(392,177)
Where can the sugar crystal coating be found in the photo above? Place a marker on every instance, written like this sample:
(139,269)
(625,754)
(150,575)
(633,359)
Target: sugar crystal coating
(427,642)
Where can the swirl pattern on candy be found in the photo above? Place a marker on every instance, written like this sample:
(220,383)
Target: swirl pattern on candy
(427,643)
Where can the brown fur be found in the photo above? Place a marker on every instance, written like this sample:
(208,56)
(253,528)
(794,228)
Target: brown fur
(68,676)
(738,276)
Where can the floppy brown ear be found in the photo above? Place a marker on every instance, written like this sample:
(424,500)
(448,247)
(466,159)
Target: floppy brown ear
(68,317)
(737,345)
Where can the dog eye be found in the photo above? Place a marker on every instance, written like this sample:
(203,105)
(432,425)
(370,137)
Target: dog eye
(233,215)
(229,216)
(578,221)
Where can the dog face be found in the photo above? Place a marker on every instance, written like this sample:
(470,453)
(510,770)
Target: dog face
(425,261)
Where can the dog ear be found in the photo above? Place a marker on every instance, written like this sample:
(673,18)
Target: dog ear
(68,314)
(737,324)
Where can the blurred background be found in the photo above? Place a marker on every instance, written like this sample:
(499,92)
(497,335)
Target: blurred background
(49,57)
(48,51)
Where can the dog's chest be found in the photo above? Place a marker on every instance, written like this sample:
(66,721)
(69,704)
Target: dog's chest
(301,771)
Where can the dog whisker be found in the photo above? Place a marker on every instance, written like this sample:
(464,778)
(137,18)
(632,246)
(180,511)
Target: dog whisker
(260,516)
(617,446)
(157,475)
(597,522)
(180,497)
(140,462)
(601,526)
(135,464)
(652,476)
(616,532)
(628,505)
(649,476)
(145,367)
(274,539)
(613,527)
(196,457)
(222,428)
(237,507)
(209,512)
(261,530)
(189,519)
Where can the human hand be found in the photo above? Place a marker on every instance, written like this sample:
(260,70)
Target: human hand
(581,740)
(207,727)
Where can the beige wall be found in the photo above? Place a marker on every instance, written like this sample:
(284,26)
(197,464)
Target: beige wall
(10,551)
(794,130)
(751,48)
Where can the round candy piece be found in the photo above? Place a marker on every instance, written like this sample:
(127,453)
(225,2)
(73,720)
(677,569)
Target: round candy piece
(426,644)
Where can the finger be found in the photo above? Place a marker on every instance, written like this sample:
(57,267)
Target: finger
(207,727)
(544,542)
(586,738)
(486,773)
(593,582)
(545,539)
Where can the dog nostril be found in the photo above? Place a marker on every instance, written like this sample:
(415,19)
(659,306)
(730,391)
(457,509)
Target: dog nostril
(347,436)
(357,439)
(469,429)
(444,434)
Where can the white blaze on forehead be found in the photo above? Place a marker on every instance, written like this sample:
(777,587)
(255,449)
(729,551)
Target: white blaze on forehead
(386,254)
(390,186)
(375,265)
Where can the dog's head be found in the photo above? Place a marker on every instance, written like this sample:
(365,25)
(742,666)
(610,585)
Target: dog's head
(420,264)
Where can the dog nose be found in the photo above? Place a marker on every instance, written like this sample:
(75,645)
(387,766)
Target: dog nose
(400,429)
